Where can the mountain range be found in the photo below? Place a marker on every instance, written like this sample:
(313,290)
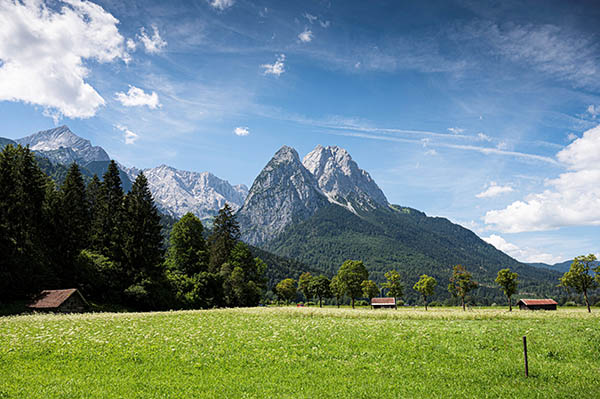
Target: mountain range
(319,211)
(176,192)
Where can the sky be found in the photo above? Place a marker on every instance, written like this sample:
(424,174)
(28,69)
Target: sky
(487,113)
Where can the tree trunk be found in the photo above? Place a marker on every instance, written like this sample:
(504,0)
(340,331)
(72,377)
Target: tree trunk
(462,299)
(509,305)
(587,302)
(352,303)
(425,300)
(320,302)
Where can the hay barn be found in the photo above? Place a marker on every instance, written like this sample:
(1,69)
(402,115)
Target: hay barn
(59,301)
(383,303)
(537,304)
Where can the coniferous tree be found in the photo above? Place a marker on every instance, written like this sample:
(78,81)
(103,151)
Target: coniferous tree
(74,223)
(108,215)
(93,190)
(225,235)
(23,266)
(141,243)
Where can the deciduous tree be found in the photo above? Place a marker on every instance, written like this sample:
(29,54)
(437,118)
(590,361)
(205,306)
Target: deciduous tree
(394,284)
(304,285)
(461,283)
(579,278)
(337,289)
(369,289)
(507,280)
(286,290)
(320,286)
(351,274)
(425,286)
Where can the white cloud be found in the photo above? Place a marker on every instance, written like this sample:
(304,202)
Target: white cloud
(154,44)
(277,68)
(572,199)
(130,137)
(241,131)
(572,136)
(528,255)
(455,130)
(311,18)
(136,97)
(593,110)
(306,36)
(131,45)
(503,145)
(221,4)
(483,137)
(42,53)
(431,152)
(494,190)
(561,52)
(324,24)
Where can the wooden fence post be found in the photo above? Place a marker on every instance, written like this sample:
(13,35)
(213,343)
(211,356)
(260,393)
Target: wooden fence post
(525,356)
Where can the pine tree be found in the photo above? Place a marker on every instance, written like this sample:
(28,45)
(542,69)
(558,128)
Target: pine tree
(142,243)
(225,235)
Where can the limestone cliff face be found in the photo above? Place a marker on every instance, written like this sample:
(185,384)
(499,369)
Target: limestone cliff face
(283,193)
(342,181)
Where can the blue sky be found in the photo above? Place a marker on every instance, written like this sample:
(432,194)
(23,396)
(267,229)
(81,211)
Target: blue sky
(485,113)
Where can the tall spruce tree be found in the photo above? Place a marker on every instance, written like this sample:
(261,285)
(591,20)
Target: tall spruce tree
(141,244)
(93,190)
(74,223)
(224,237)
(108,216)
(23,267)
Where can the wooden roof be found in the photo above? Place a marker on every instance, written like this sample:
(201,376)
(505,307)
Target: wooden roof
(383,301)
(49,299)
(529,302)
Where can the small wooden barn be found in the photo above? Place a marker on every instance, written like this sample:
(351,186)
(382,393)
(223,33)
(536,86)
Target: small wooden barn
(60,301)
(383,303)
(537,304)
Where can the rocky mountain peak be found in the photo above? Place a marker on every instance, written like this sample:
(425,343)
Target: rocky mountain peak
(283,193)
(61,145)
(342,181)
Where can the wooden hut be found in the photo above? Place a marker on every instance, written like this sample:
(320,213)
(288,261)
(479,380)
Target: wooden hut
(383,303)
(537,304)
(60,301)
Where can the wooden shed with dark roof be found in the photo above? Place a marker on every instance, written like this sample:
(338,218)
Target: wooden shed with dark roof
(382,303)
(537,304)
(60,301)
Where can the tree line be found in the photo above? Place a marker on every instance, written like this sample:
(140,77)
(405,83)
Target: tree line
(109,244)
(352,280)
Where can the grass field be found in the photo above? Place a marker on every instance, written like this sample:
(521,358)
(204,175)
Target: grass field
(301,353)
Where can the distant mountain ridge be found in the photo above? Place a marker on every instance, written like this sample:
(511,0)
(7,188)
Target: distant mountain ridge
(176,192)
(61,145)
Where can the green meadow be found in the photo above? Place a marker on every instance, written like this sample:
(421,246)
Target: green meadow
(301,353)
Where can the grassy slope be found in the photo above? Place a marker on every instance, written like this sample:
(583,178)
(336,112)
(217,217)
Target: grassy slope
(301,353)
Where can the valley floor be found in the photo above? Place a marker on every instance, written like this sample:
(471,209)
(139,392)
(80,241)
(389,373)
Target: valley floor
(301,353)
